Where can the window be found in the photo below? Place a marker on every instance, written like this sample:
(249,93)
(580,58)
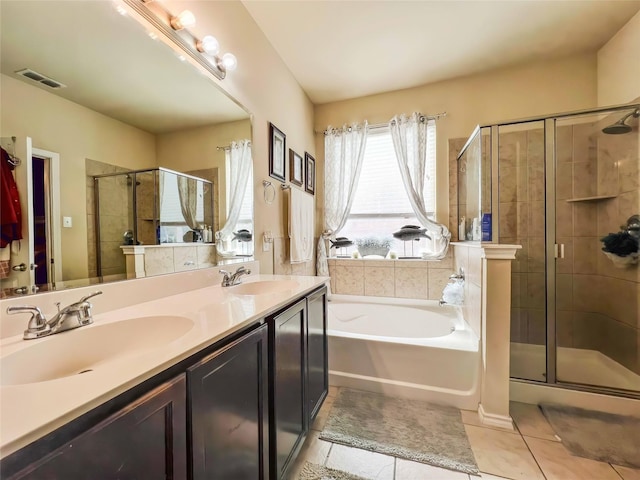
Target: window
(381,206)
(173,226)
(245,220)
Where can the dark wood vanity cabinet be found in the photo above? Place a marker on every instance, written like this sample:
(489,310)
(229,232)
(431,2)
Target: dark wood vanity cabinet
(317,352)
(145,440)
(238,410)
(288,422)
(228,408)
(299,376)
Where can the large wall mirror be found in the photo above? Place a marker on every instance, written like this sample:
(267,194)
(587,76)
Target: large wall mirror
(104,153)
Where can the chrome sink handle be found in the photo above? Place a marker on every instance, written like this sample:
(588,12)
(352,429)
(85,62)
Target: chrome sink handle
(231,279)
(80,311)
(226,278)
(84,299)
(38,326)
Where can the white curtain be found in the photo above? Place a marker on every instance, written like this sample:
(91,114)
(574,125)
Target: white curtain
(343,153)
(240,171)
(409,135)
(188,192)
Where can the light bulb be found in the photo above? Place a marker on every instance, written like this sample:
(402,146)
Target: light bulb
(229,61)
(183,20)
(208,45)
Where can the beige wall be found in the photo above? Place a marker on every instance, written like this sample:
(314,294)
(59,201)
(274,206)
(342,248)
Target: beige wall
(266,87)
(195,149)
(619,66)
(76,133)
(523,91)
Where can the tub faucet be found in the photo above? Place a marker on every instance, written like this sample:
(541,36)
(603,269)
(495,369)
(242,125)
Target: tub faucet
(230,279)
(453,293)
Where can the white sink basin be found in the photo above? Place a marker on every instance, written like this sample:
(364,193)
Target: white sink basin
(84,349)
(263,287)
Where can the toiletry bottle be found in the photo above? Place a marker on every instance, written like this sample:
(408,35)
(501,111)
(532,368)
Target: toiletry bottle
(486,227)
(209,234)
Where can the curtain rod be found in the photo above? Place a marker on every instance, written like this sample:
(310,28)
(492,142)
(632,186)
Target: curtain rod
(374,126)
(228,147)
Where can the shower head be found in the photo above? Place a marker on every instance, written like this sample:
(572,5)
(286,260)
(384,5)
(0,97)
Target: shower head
(620,127)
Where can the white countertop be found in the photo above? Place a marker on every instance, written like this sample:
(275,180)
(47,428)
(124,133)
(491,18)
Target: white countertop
(30,411)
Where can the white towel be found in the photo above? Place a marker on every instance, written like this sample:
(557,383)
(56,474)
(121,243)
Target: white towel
(301,225)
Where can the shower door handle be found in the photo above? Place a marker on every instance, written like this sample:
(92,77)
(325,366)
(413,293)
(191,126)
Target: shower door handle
(559,250)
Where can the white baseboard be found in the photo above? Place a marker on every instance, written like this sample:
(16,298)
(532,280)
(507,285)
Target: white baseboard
(493,420)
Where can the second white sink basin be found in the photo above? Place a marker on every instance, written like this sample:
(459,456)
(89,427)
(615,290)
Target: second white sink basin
(84,349)
(263,287)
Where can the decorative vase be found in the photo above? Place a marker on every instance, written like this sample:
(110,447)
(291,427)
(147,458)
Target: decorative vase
(622,262)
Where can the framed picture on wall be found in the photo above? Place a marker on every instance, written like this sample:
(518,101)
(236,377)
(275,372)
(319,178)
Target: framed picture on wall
(296,168)
(277,151)
(310,173)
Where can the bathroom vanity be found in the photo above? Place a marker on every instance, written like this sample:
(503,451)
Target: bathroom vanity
(232,398)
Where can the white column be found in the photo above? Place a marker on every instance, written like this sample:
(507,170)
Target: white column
(496,330)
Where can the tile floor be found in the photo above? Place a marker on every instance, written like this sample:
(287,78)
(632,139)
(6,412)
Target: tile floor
(530,452)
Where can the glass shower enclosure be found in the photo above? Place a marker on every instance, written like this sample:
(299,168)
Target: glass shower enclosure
(566,188)
(147,207)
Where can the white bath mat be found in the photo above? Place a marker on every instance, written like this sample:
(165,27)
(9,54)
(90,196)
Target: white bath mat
(409,429)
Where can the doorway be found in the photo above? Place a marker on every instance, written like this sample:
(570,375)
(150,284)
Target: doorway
(45,218)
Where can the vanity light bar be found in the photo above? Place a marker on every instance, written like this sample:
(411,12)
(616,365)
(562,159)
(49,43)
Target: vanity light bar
(204,52)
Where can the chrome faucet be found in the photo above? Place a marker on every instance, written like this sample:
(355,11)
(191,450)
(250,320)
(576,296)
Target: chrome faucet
(76,315)
(37,327)
(231,279)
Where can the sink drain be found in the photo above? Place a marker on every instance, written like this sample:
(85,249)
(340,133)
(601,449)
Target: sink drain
(85,371)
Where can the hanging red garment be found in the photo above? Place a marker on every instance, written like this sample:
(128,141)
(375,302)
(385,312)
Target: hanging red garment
(10,212)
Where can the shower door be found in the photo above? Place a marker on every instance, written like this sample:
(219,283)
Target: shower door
(521,195)
(593,311)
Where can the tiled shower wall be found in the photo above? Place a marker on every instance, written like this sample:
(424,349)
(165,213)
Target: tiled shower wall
(597,303)
(115,214)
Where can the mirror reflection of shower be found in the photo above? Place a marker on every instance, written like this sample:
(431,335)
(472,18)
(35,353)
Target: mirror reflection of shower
(161,206)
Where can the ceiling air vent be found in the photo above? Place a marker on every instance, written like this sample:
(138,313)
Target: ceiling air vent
(38,77)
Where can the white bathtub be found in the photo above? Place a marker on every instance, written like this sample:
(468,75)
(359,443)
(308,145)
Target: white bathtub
(407,348)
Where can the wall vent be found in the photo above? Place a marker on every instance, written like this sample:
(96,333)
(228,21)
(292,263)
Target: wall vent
(38,77)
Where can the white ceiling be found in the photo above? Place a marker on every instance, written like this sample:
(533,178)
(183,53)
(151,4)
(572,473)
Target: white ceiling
(346,49)
(109,64)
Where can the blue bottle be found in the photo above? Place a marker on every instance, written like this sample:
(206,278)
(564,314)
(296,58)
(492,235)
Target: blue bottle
(485,226)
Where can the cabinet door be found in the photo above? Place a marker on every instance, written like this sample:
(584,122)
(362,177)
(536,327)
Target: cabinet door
(317,365)
(288,425)
(229,404)
(145,440)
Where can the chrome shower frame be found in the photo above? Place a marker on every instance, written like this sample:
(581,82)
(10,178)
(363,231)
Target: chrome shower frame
(549,122)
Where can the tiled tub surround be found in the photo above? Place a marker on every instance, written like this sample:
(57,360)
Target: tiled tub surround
(148,260)
(215,311)
(416,279)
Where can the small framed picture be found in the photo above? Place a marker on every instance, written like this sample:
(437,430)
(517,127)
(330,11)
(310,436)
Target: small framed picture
(310,171)
(296,168)
(277,151)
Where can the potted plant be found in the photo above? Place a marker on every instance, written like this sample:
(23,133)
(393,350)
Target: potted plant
(373,246)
